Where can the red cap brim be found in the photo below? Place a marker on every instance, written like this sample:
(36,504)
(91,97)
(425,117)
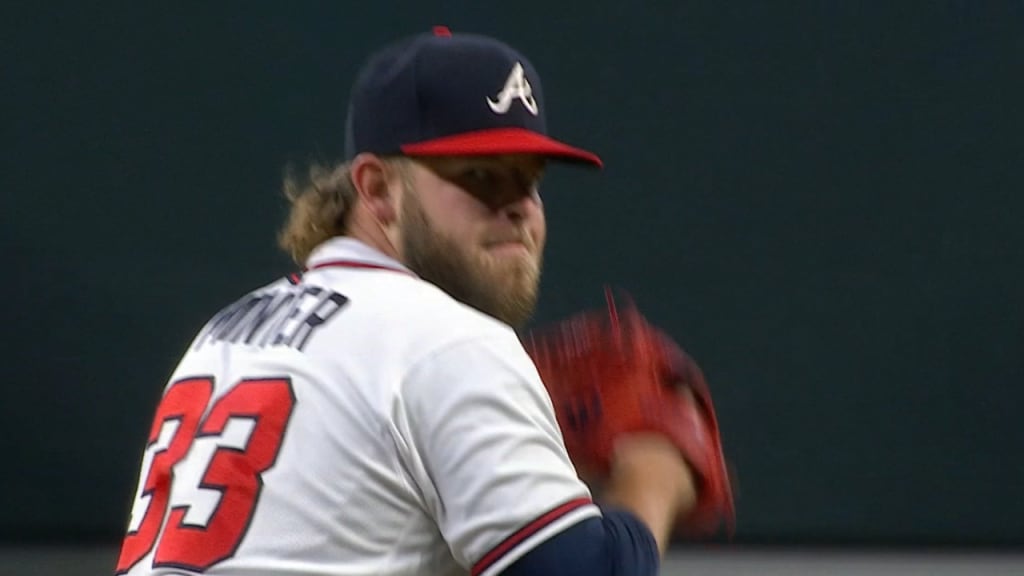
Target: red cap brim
(501,141)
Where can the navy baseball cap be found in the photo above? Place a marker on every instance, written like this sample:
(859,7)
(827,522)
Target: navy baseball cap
(444,94)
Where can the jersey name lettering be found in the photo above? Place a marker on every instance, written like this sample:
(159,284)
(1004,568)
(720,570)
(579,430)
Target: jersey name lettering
(280,318)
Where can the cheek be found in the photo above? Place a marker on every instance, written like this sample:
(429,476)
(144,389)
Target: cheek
(458,216)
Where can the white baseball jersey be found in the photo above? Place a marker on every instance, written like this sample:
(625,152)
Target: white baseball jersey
(351,420)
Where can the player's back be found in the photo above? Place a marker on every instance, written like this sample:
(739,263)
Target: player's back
(274,450)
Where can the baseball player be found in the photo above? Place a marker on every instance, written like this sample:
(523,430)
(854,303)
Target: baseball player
(376,413)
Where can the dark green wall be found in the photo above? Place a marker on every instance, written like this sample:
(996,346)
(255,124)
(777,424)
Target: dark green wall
(820,200)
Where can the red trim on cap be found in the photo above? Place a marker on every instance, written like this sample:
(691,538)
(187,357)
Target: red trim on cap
(500,141)
(359,264)
(525,532)
(442,31)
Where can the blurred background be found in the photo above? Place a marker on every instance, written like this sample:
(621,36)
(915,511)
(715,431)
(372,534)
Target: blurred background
(820,200)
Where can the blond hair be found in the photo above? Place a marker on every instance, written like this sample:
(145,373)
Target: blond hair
(320,205)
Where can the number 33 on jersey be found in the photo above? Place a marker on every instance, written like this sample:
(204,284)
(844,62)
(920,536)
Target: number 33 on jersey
(203,507)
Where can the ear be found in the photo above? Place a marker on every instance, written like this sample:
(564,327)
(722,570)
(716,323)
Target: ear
(371,178)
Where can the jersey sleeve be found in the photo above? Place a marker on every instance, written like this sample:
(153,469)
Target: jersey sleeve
(618,544)
(477,432)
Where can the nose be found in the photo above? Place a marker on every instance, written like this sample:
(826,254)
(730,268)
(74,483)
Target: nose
(517,207)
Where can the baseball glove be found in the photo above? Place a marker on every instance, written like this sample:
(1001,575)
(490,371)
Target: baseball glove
(611,372)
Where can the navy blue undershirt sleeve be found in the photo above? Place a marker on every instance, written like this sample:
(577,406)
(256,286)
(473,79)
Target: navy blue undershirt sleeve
(617,544)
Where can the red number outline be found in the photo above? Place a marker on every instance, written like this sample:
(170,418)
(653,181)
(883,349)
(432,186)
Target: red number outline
(184,402)
(236,474)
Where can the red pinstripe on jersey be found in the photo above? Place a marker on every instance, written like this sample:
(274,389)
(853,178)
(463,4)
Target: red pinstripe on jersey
(359,264)
(525,532)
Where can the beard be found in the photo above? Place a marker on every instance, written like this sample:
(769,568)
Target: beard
(505,288)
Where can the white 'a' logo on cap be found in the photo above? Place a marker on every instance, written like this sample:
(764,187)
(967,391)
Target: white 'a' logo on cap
(516,86)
